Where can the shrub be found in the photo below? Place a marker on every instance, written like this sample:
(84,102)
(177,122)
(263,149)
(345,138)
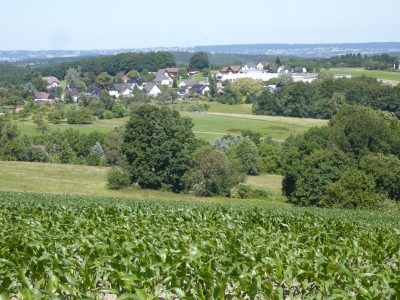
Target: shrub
(241,191)
(211,173)
(117,178)
(259,194)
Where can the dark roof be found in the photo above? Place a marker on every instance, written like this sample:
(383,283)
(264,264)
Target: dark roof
(160,78)
(190,82)
(161,72)
(172,70)
(93,91)
(51,79)
(251,65)
(150,86)
(70,86)
(42,95)
(235,68)
(120,87)
(198,88)
(136,81)
(74,92)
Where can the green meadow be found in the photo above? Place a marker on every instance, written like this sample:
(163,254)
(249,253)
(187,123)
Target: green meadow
(92,181)
(392,77)
(218,121)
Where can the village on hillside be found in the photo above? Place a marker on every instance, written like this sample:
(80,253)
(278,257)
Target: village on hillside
(185,88)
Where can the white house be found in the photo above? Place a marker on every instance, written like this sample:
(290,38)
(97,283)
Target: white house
(138,82)
(74,93)
(285,69)
(187,83)
(162,79)
(261,65)
(121,89)
(152,89)
(260,75)
(42,98)
(249,66)
(200,88)
(52,81)
(299,70)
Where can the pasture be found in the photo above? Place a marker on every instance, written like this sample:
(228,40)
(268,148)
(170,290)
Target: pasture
(92,181)
(220,120)
(386,76)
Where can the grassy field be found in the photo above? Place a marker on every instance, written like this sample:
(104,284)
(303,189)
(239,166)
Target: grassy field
(212,125)
(270,183)
(392,77)
(92,181)
(63,83)
(220,120)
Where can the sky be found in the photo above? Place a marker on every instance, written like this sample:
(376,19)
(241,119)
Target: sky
(99,24)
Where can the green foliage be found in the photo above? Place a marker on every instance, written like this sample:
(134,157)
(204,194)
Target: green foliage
(79,116)
(104,81)
(284,79)
(355,189)
(319,169)
(81,247)
(73,75)
(174,83)
(211,173)
(14,101)
(259,194)
(81,86)
(213,85)
(183,73)
(132,74)
(41,124)
(270,157)
(113,147)
(385,170)
(241,191)
(324,97)
(94,159)
(97,107)
(117,178)
(246,90)
(199,61)
(54,117)
(358,138)
(158,144)
(247,153)
(40,84)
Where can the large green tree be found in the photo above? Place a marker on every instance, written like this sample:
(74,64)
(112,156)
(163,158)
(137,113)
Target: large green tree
(104,81)
(211,173)
(158,144)
(199,61)
(40,84)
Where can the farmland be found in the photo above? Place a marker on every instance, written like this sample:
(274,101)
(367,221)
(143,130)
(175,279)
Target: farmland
(392,77)
(52,246)
(220,120)
(92,181)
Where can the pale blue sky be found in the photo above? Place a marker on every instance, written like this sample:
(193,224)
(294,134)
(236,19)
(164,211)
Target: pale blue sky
(99,24)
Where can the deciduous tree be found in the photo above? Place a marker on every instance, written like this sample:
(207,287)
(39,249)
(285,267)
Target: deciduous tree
(158,144)
(199,61)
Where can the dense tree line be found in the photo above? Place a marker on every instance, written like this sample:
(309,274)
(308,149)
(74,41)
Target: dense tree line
(353,162)
(324,97)
(124,62)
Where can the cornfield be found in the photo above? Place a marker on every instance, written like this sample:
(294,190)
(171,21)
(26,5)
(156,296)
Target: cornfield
(75,247)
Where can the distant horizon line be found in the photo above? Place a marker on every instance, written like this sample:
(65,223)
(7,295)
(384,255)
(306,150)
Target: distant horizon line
(189,47)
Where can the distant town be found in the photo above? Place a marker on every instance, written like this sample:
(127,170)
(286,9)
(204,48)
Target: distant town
(299,50)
